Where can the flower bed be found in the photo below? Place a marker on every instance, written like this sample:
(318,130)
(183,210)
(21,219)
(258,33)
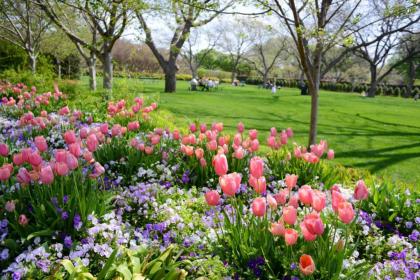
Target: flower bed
(124,199)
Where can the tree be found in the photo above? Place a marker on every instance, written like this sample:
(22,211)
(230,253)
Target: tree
(409,47)
(194,57)
(186,14)
(57,44)
(316,27)
(394,16)
(106,20)
(236,42)
(22,24)
(266,49)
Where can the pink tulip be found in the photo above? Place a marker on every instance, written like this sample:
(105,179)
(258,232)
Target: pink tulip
(148,150)
(75,149)
(218,126)
(212,198)
(60,155)
(71,161)
(116,130)
(259,184)
(132,126)
(330,154)
(271,202)
(4,150)
(307,235)
(314,223)
(318,200)
(361,192)
(305,194)
(61,168)
(289,215)
(239,153)
(35,159)
(271,141)
(255,145)
(64,111)
(212,145)
(88,156)
(241,127)
(203,162)
(290,236)
(253,133)
(92,142)
(26,153)
(176,134)
(23,176)
(18,159)
(237,139)
(104,128)
(5,173)
(306,265)
(41,143)
(230,183)
(193,127)
(289,132)
(69,137)
(46,175)
(199,153)
(281,197)
(220,164)
(189,150)
(256,167)
(273,132)
(294,201)
(345,212)
(23,220)
(283,138)
(291,181)
(278,229)
(203,128)
(83,132)
(337,198)
(98,170)
(259,207)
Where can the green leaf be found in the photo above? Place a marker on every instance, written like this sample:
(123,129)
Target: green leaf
(107,265)
(45,232)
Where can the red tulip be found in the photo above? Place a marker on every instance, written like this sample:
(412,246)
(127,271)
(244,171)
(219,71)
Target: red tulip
(306,265)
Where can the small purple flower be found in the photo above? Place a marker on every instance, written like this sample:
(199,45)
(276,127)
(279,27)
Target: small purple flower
(293,266)
(77,222)
(414,236)
(67,241)
(4,255)
(64,215)
(408,225)
(65,199)
(17,275)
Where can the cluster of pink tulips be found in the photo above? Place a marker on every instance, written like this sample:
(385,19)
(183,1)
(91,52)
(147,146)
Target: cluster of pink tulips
(315,153)
(300,208)
(28,100)
(120,108)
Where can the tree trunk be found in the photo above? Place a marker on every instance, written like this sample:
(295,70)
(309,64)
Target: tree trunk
(32,62)
(170,77)
(59,68)
(313,130)
(411,79)
(92,71)
(265,79)
(107,68)
(373,81)
(234,75)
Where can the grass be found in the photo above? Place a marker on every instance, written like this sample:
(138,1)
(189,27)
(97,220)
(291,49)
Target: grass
(381,134)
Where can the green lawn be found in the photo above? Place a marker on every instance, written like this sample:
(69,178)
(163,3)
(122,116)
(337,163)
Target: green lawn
(380,134)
